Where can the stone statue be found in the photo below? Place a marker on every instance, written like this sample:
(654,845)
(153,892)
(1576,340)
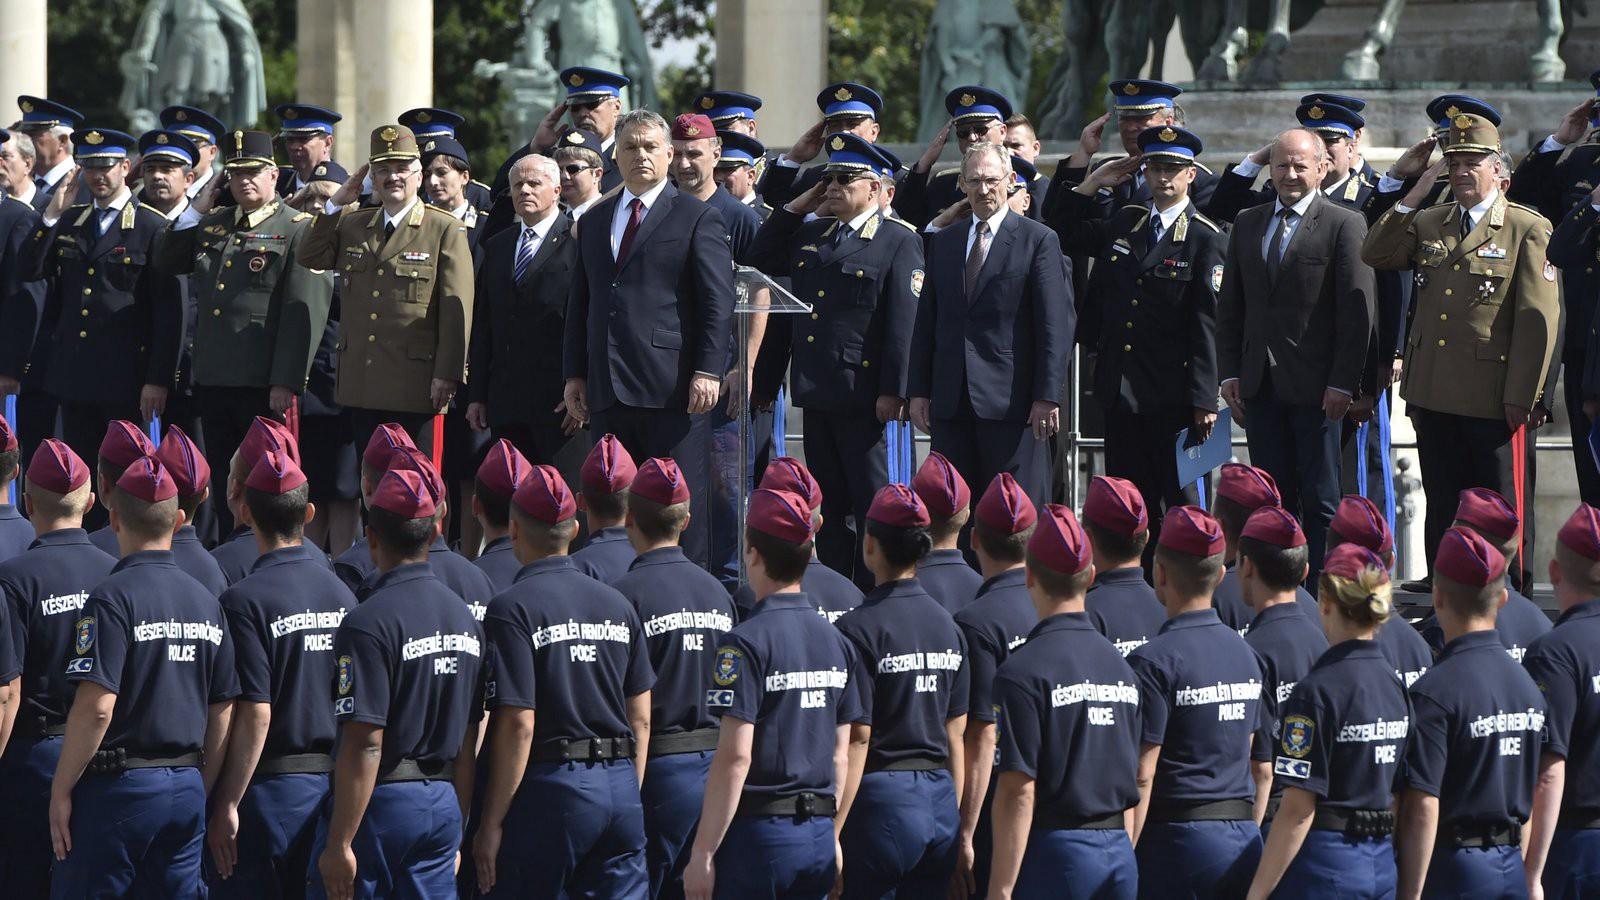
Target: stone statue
(198,52)
(1266,67)
(528,78)
(1104,38)
(1544,64)
(972,42)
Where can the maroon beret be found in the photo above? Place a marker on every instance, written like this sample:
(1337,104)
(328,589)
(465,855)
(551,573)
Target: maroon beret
(1348,561)
(56,468)
(1059,543)
(267,434)
(1465,557)
(1248,486)
(385,440)
(1488,513)
(899,506)
(1580,534)
(1191,530)
(184,462)
(543,494)
(659,480)
(1115,505)
(608,469)
(276,472)
(1358,521)
(1271,525)
(780,514)
(503,469)
(941,487)
(692,127)
(410,459)
(1005,507)
(8,436)
(785,473)
(147,479)
(124,442)
(405,493)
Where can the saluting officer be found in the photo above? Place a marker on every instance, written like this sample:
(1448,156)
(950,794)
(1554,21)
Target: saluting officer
(431,123)
(977,115)
(730,110)
(407,697)
(205,131)
(781,688)
(1241,490)
(831,593)
(502,469)
(1338,746)
(685,613)
(282,618)
(1563,850)
(1074,763)
(192,476)
(1196,829)
(1473,756)
(1520,621)
(1412,165)
(1121,604)
(45,590)
(847,108)
(607,473)
(153,668)
(1358,521)
(307,133)
(945,573)
(22,305)
(569,723)
(50,125)
(863,276)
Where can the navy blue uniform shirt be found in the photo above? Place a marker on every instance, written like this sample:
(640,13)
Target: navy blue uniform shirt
(910,671)
(1405,649)
(994,625)
(786,671)
(45,590)
(1228,600)
(282,617)
(1200,689)
(16,532)
(832,593)
(192,557)
(1124,608)
(947,578)
(1343,730)
(1519,623)
(1068,717)
(1288,645)
(1475,735)
(106,539)
(1565,664)
(410,662)
(158,640)
(606,556)
(355,566)
(236,554)
(685,612)
(499,563)
(569,648)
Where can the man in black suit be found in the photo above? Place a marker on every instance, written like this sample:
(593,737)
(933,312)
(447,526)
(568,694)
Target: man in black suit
(989,353)
(1294,321)
(650,316)
(21,308)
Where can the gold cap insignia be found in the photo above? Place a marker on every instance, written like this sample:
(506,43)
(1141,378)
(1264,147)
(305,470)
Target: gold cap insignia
(181,116)
(1453,111)
(692,131)
(1463,122)
(27,106)
(320,170)
(388,134)
(968,100)
(838,144)
(94,137)
(574,138)
(707,103)
(238,141)
(429,146)
(1130,89)
(1316,113)
(842,94)
(291,114)
(424,117)
(161,139)
(575,80)
(1167,134)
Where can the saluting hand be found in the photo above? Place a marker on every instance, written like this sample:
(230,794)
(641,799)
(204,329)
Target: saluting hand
(1111,174)
(338,868)
(545,136)
(1090,139)
(1576,123)
(66,189)
(810,201)
(808,145)
(1418,194)
(1414,160)
(350,191)
(207,198)
(935,147)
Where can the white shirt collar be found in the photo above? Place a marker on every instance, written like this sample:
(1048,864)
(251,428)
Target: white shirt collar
(1329,190)
(177,210)
(649,197)
(1300,206)
(607,143)
(58,171)
(994,221)
(460,212)
(1482,209)
(749,199)
(26,191)
(116,203)
(1170,214)
(541,228)
(200,182)
(855,225)
(399,218)
(581,208)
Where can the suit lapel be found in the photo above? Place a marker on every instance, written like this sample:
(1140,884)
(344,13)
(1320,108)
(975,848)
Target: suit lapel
(374,241)
(998,248)
(1301,236)
(653,217)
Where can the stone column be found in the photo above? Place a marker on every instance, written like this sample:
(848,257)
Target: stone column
(777,50)
(23,26)
(325,74)
(393,52)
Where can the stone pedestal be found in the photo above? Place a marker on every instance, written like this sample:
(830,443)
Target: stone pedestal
(777,50)
(392,48)
(23,27)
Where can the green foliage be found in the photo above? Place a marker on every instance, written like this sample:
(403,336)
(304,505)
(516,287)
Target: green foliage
(465,31)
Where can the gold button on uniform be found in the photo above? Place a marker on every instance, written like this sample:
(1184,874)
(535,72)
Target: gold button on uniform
(221,286)
(1448,292)
(1444,317)
(83,334)
(227,264)
(1126,347)
(376,294)
(865,363)
(84,313)
(371,338)
(374,317)
(811,339)
(1441,342)
(91,271)
(1127,324)
(814,316)
(1456,267)
(216,312)
(822,293)
(1134,302)
(88,291)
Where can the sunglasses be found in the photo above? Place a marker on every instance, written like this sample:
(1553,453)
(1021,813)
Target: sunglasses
(575,169)
(843,179)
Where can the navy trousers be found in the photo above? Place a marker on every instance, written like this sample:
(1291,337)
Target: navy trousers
(776,858)
(1299,448)
(574,829)
(900,839)
(137,834)
(25,854)
(1334,866)
(277,822)
(849,456)
(1475,873)
(669,433)
(1197,859)
(1078,864)
(406,845)
(1572,871)
(674,787)
(980,449)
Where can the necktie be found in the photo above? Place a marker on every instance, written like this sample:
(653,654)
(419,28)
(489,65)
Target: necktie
(1466,224)
(635,216)
(524,255)
(388,230)
(842,235)
(1275,251)
(40,183)
(976,256)
(1156,231)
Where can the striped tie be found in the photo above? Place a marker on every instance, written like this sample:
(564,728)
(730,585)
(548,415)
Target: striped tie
(524,255)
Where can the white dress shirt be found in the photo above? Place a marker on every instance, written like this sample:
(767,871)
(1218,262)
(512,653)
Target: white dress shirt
(619,218)
(200,182)
(577,211)
(58,172)
(994,227)
(26,191)
(1293,223)
(540,229)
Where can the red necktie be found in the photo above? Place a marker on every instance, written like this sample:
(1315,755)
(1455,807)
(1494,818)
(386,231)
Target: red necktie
(635,216)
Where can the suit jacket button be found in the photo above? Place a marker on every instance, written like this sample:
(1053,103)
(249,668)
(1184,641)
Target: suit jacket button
(811,339)
(216,312)
(1448,292)
(373,316)
(371,338)
(1126,348)
(814,316)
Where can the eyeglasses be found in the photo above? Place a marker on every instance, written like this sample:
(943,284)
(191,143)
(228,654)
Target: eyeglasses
(843,179)
(986,183)
(575,169)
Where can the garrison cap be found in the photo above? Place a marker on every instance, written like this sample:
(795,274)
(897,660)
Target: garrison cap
(56,468)
(660,481)
(275,473)
(1488,513)
(148,480)
(193,123)
(1005,507)
(1248,486)
(407,494)
(1348,561)
(608,469)
(414,460)
(543,495)
(941,487)
(1191,530)
(785,473)
(1271,525)
(1465,557)
(184,462)
(124,443)
(779,514)
(385,441)
(1358,521)
(8,436)
(1580,533)
(267,434)
(1059,542)
(502,469)
(898,506)
(1116,505)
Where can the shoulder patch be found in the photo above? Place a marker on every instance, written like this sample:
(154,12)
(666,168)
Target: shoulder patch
(1297,731)
(83,636)
(1291,768)
(346,674)
(725,670)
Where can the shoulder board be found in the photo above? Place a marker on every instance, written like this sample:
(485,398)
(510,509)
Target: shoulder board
(953,170)
(481,184)
(1199,219)
(16,200)
(1443,204)
(148,208)
(1136,207)
(301,217)
(902,223)
(1511,204)
(76,207)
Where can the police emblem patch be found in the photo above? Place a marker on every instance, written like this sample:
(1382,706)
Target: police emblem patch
(575,80)
(257,263)
(346,675)
(707,103)
(80,665)
(83,639)
(1315,112)
(344,706)
(1297,736)
(726,670)
(916,282)
(1130,89)
(1167,134)
(94,137)
(1216,278)
(161,139)
(27,106)
(388,134)
(968,100)
(838,144)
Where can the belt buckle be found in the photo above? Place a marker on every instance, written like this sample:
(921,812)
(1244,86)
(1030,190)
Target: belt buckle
(805,805)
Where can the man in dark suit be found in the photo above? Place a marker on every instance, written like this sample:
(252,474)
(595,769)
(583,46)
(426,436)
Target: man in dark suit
(21,308)
(650,315)
(1293,325)
(989,353)
(50,125)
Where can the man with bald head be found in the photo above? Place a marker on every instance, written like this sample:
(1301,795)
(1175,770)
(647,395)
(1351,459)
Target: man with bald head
(1294,320)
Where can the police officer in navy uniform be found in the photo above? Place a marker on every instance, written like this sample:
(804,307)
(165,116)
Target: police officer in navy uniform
(831,593)
(911,677)
(739,169)
(205,131)
(153,668)
(847,108)
(1564,843)
(1473,756)
(502,469)
(685,613)
(282,618)
(1121,604)
(780,686)
(47,120)
(407,698)
(945,573)
(430,123)
(1338,746)
(569,723)
(1077,761)
(192,476)
(977,115)
(607,473)
(1520,621)
(237,555)
(45,590)
(849,355)
(1358,521)
(1344,184)
(1241,490)
(307,133)
(1197,829)
(123,444)
(22,305)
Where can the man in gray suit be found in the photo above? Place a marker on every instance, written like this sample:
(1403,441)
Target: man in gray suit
(1294,320)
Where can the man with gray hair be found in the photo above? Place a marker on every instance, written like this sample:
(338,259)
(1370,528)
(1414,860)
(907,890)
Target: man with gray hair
(21,302)
(16,166)
(650,319)
(50,125)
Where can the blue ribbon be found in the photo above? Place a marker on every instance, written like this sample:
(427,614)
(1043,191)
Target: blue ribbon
(780,427)
(11,416)
(155,430)
(1385,449)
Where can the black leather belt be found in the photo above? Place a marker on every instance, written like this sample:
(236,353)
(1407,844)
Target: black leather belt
(1061,819)
(39,727)
(909,765)
(1579,819)
(294,764)
(1214,811)
(584,750)
(412,770)
(803,805)
(115,761)
(1355,822)
(684,742)
(1498,835)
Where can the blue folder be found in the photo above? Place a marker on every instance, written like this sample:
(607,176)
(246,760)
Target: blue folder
(1196,459)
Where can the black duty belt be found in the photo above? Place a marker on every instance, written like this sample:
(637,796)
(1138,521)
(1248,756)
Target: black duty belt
(584,750)
(684,742)
(115,761)
(40,727)
(1579,819)
(1354,822)
(1499,835)
(909,765)
(413,770)
(804,805)
(1062,819)
(294,764)
(1215,811)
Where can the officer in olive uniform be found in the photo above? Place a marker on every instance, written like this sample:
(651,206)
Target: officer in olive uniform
(429,123)
(976,114)
(407,288)
(260,314)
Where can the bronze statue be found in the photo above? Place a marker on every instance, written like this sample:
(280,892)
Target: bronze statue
(972,42)
(198,52)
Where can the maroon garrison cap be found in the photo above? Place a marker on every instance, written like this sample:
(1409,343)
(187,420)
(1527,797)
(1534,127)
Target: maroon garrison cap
(780,514)
(608,469)
(267,434)
(8,436)
(503,469)
(1348,560)
(56,468)
(1059,543)
(1580,534)
(1191,530)
(1005,507)
(413,460)
(785,473)
(276,472)
(1358,521)
(1115,505)
(1488,513)
(147,479)
(405,493)
(124,442)
(899,506)
(941,487)
(184,462)
(1248,486)
(385,440)
(692,127)
(1271,525)
(543,495)
(1465,557)
(660,481)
